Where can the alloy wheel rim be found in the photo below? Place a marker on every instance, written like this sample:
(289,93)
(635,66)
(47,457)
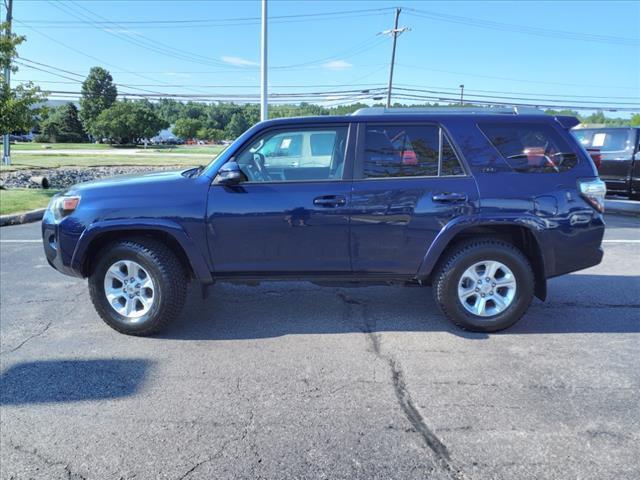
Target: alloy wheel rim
(487,288)
(129,289)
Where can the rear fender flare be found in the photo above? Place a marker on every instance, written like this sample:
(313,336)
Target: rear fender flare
(534,224)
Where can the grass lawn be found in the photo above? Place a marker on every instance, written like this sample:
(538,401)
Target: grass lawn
(23,199)
(58,146)
(211,149)
(30,160)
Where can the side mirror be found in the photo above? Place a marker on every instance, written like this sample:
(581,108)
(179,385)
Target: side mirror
(229,174)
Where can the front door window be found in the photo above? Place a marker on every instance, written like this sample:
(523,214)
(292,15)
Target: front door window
(313,154)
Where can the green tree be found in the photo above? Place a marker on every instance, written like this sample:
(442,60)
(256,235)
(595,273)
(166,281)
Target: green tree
(16,105)
(98,94)
(62,125)
(187,127)
(236,126)
(597,117)
(635,120)
(169,109)
(128,122)
(211,134)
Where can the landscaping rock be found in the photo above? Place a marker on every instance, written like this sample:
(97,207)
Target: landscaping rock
(64,177)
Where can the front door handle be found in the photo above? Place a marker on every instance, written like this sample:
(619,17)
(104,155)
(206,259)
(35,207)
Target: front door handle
(330,201)
(449,197)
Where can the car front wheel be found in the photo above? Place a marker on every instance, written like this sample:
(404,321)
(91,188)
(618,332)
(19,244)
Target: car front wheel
(484,285)
(137,286)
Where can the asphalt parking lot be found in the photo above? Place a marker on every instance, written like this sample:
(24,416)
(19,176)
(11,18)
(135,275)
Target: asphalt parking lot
(292,380)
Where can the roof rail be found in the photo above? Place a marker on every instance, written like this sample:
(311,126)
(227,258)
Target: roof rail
(449,110)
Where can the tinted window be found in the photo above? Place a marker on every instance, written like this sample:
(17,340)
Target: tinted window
(606,139)
(401,151)
(450,163)
(295,155)
(530,147)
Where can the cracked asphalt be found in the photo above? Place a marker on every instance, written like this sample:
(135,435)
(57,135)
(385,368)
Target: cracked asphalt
(291,380)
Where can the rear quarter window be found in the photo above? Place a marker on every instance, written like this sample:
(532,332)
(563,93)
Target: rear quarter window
(531,147)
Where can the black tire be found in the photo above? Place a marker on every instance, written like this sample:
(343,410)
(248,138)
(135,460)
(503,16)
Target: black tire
(450,273)
(168,277)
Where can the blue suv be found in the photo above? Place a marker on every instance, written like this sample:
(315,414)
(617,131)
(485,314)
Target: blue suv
(483,205)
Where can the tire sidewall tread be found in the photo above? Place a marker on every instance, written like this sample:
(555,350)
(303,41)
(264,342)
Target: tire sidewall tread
(162,265)
(466,254)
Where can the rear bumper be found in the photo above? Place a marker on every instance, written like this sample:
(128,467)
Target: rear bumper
(575,248)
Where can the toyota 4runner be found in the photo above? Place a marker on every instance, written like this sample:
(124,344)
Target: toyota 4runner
(483,205)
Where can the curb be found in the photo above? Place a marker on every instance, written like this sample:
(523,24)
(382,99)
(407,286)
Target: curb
(24,217)
(626,207)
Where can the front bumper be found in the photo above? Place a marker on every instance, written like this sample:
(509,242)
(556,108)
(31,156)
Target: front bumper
(59,240)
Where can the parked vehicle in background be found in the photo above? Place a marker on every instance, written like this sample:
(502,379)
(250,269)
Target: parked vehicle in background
(619,150)
(483,205)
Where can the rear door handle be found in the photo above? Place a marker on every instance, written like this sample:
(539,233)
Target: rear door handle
(330,201)
(449,197)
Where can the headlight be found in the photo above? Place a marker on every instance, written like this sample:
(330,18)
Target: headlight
(62,206)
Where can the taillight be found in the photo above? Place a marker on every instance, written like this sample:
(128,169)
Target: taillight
(593,191)
(595,155)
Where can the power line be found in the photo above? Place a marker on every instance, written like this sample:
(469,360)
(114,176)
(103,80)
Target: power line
(405,91)
(407,87)
(539,31)
(502,97)
(364,94)
(21,60)
(139,39)
(190,23)
(80,52)
(172,52)
(511,79)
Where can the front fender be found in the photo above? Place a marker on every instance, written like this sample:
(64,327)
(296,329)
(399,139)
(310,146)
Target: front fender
(95,230)
(458,225)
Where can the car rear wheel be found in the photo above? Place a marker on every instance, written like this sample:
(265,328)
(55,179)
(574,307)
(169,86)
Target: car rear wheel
(138,286)
(484,285)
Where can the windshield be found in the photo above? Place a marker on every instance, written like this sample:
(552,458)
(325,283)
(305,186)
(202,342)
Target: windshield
(215,159)
(606,139)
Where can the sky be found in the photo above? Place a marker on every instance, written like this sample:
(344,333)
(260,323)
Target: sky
(577,53)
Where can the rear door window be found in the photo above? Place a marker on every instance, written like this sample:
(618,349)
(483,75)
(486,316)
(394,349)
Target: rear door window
(531,147)
(397,150)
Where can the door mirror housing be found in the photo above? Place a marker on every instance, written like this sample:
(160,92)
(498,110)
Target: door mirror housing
(230,174)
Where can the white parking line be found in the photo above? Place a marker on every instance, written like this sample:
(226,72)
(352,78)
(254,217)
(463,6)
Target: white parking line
(21,241)
(621,241)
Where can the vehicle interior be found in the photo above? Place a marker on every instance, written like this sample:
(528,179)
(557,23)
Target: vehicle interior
(301,155)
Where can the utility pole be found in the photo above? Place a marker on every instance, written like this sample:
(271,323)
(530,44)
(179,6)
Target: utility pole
(6,154)
(461,95)
(395,32)
(264,112)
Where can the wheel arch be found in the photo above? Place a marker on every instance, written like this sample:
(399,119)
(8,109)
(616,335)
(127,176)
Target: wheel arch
(522,236)
(172,235)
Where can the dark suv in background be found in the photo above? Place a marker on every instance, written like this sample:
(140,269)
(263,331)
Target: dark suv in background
(483,205)
(619,151)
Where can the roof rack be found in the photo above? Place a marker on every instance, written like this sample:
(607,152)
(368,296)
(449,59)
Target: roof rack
(449,111)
